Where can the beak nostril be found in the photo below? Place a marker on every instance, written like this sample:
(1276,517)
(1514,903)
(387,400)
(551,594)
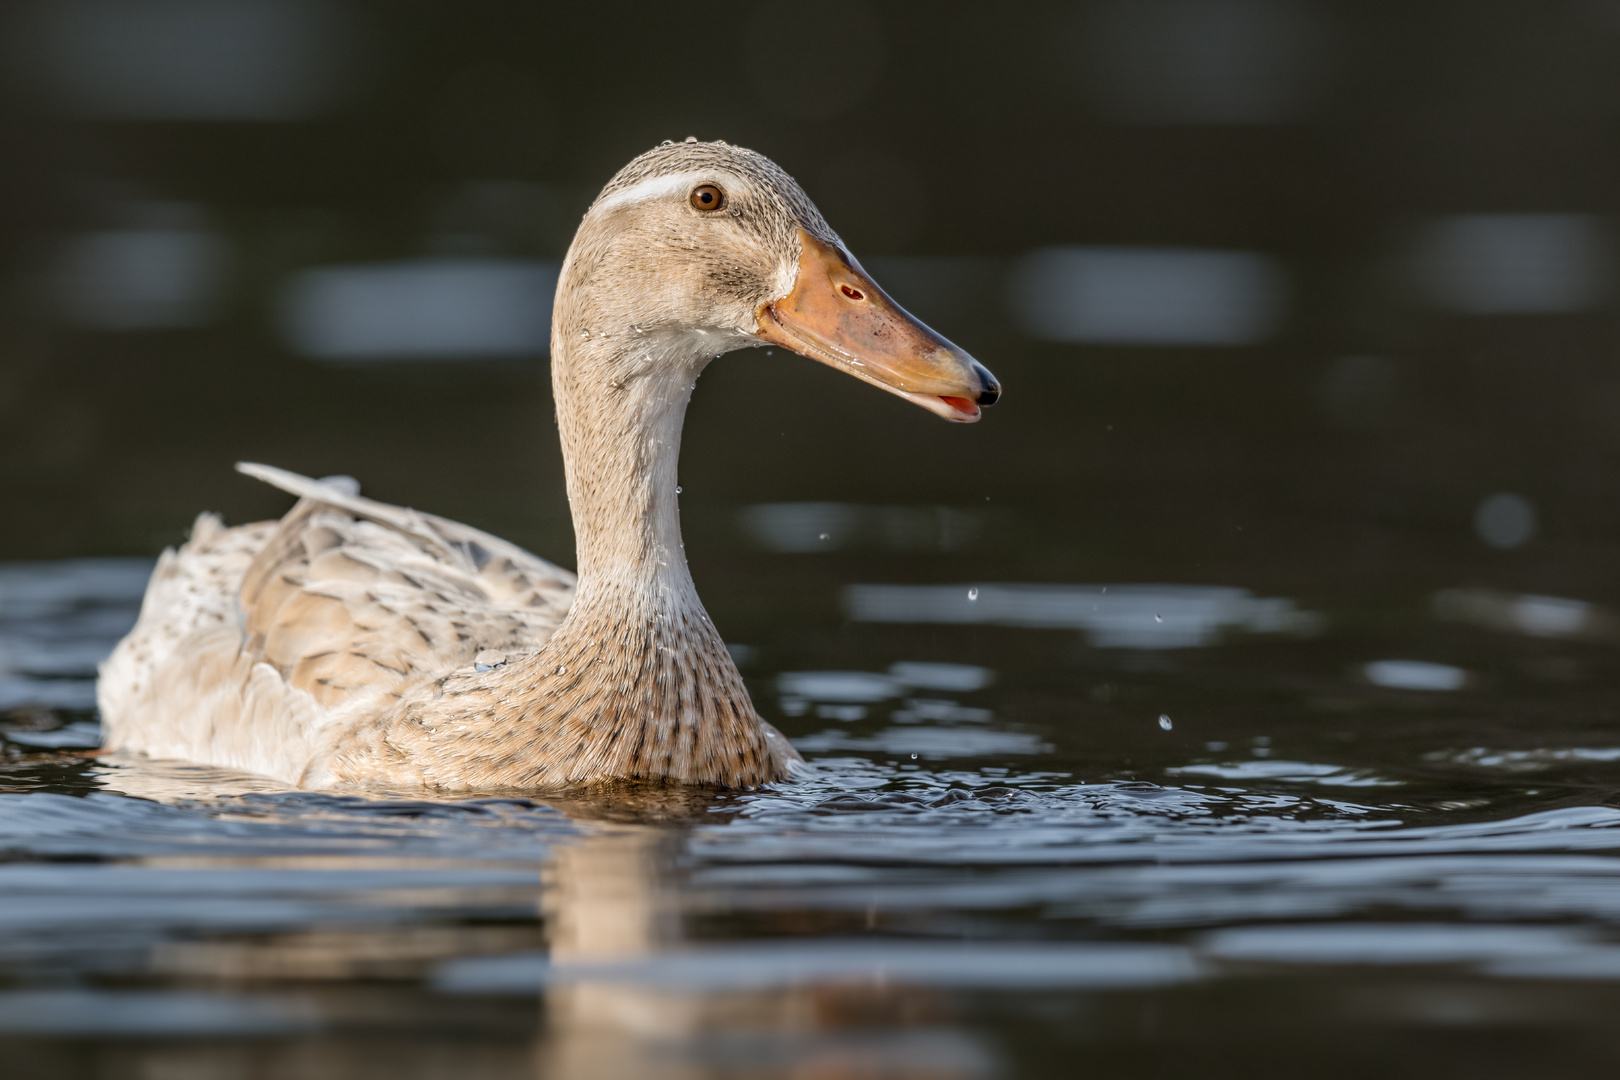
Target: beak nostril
(853,294)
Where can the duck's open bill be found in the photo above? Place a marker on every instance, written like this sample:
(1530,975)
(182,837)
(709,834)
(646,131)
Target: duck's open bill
(838,315)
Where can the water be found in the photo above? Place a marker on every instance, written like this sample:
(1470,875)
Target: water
(987,870)
(1306,316)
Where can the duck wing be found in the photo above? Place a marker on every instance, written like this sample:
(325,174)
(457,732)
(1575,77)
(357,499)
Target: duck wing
(257,646)
(514,575)
(351,598)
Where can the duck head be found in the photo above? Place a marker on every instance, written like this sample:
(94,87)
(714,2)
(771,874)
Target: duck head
(699,248)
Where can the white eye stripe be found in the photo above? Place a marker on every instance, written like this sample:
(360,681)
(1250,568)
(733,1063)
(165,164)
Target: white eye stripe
(657,187)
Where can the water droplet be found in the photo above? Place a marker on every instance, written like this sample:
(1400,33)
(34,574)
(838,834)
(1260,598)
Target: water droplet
(1164,721)
(824,536)
(973,593)
(913,757)
(1158,618)
(677,489)
(562,669)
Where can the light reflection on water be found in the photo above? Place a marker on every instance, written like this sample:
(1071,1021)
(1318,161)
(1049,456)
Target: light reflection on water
(1149,296)
(1415,675)
(421,309)
(1113,616)
(1537,616)
(58,621)
(947,842)
(1493,264)
(830,526)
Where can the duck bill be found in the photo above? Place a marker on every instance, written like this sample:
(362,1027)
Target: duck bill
(837,314)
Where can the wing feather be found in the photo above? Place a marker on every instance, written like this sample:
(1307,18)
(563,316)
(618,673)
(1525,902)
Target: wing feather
(344,604)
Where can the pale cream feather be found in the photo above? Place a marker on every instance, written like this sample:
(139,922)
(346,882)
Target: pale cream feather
(259,646)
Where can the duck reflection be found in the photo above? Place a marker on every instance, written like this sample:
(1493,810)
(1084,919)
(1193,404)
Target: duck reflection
(617,905)
(605,899)
(601,957)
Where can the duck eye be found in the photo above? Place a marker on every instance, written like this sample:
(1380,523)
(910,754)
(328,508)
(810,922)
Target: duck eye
(708,197)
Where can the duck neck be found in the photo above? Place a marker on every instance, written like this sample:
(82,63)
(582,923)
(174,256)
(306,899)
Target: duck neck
(621,403)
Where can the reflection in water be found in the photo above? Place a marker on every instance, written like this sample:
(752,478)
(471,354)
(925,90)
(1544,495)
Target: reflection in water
(421,309)
(837,926)
(959,678)
(1515,264)
(798,688)
(57,622)
(952,914)
(146,1014)
(603,903)
(79,734)
(1414,675)
(1536,616)
(1148,296)
(47,590)
(626,995)
(932,732)
(775,965)
(1296,772)
(927,743)
(822,526)
(943,711)
(1393,943)
(1112,616)
(169,271)
(843,686)
(1525,760)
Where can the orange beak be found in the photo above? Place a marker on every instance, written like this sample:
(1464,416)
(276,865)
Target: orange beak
(838,315)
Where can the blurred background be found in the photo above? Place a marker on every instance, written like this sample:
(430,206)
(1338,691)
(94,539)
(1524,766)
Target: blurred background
(1314,296)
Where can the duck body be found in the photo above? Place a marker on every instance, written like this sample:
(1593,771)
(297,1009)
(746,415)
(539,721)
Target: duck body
(357,644)
(354,643)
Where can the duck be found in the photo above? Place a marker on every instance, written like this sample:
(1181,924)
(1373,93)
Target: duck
(357,644)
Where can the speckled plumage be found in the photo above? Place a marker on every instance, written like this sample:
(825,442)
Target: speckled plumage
(337,646)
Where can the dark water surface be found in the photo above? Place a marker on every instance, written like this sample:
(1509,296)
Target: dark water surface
(1212,836)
